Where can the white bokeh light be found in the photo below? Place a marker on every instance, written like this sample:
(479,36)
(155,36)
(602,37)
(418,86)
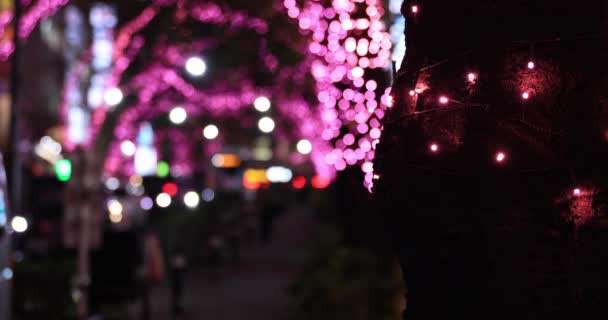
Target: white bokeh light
(163,200)
(211,132)
(178,115)
(304,146)
(7,273)
(266,125)
(262,104)
(19,224)
(191,199)
(196,66)
(112,184)
(279,174)
(128,148)
(113,97)
(208,195)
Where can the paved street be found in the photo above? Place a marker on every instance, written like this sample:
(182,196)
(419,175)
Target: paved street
(255,289)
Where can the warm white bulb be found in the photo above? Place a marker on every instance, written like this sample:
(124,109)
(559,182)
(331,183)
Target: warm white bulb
(115,218)
(211,132)
(113,97)
(178,115)
(163,200)
(444,100)
(128,148)
(266,125)
(304,146)
(115,207)
(191,199)
(19,224)
(531,65)
(262,104)
(525,95)
(196,66)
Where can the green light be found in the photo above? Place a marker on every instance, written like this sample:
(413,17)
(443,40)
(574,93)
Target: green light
(63,170)
(162,169)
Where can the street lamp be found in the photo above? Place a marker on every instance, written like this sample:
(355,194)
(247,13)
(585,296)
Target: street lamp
(19,224)
(191,199)
(304,146)
(211,132)
(113,97)
(163,200)
(196,66)
(266,125)
(262,104)
(178,115)
(128,148)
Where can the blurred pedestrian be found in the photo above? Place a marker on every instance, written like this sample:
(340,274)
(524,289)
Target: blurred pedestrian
(153,269)
(216,246)
(178,264)
(270,208)
(234,242)
(249,223)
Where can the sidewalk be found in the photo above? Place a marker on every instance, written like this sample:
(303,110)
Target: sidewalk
(253,290)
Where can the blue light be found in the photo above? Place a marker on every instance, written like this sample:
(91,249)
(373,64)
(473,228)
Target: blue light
(208,195)
(2,209)
(7,273)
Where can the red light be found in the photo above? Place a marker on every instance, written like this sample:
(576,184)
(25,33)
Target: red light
(434,147)
(525,95)
(170,188)
(319,182)
(299,182)
(251,185)
(577,192)
(444,100)
(414,9)
(501,157)
(412,93)
(472,77)
(531,65)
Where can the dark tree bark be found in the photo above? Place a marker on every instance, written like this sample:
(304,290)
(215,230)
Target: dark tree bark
(485,240)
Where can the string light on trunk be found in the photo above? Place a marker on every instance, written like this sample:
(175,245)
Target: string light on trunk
(501,157)
(531,65)
(434,147)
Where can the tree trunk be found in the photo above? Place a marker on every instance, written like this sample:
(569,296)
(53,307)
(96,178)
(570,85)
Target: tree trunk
(481,238)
